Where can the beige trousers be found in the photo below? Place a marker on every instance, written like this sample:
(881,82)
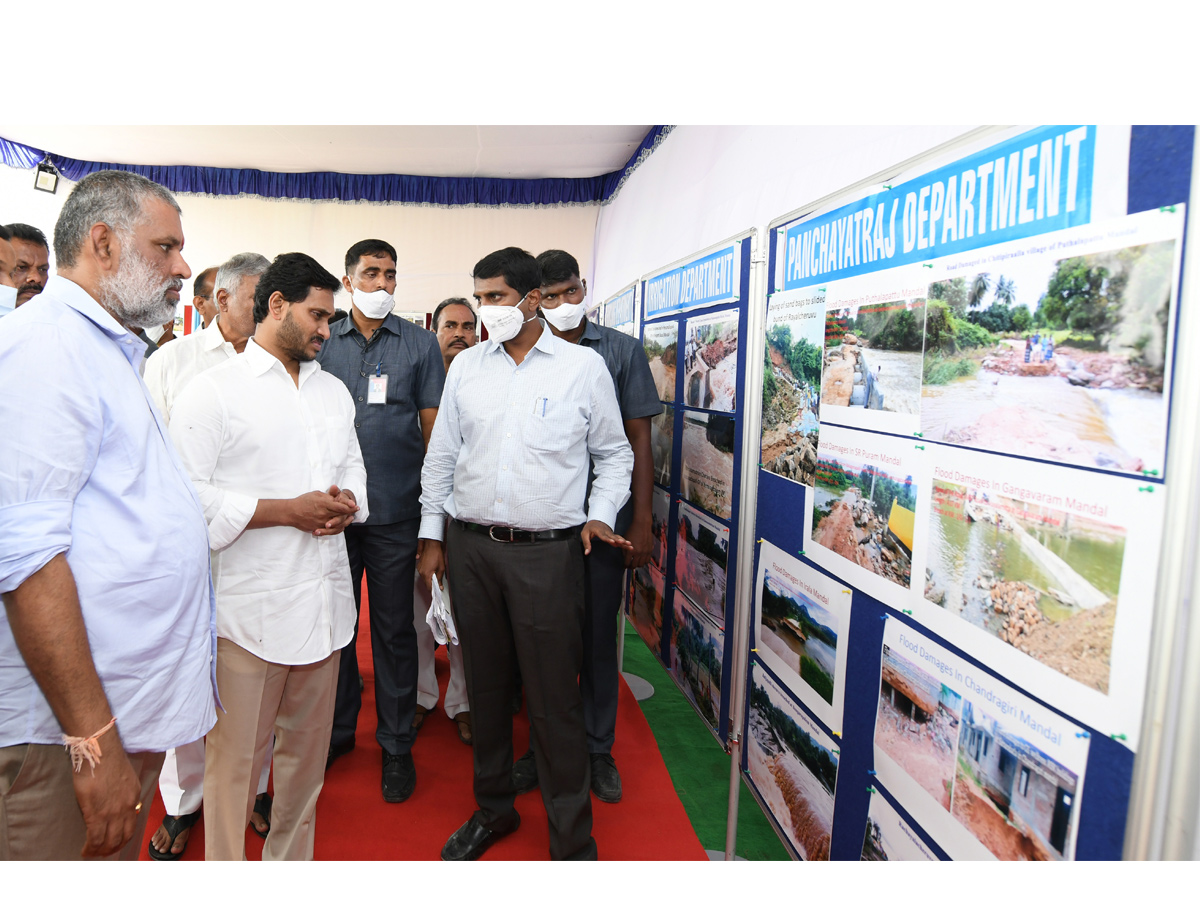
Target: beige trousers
(297,701)
(39,815)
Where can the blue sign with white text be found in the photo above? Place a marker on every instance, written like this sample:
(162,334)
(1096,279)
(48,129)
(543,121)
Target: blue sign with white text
(1037,182)
(702,282)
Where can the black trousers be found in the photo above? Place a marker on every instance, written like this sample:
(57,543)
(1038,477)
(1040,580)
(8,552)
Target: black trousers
(388,553)
(604,587)
(525,602)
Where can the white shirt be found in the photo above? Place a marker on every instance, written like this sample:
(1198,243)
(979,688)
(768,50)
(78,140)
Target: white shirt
(246,431)
(172,367)
(88,471)
(511,443)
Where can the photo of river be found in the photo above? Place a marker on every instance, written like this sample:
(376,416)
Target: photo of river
(801,633)
(1042,579)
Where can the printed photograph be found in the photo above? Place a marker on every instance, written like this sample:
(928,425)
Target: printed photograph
(801,633)
(661,340)
(873,356)
(710,362)
(866,515)
(702,560)
(697,649)
(889,838)
(792,388)
(1060,359)
(662,437)
(794,767)
(707,476)
(646,590)
(1017,800)
(660,517)
(917,725)
(1040,578)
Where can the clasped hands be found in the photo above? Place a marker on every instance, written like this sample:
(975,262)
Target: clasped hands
(324,512)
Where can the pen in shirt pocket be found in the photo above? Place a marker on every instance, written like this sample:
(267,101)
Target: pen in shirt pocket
(539,406)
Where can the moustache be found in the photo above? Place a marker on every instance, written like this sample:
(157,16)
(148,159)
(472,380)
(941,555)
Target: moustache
(459,342)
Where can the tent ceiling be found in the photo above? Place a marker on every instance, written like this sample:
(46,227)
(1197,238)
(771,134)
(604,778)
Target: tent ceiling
(484,151)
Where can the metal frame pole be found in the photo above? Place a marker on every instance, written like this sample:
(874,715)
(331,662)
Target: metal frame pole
(756,335)
(1164,804)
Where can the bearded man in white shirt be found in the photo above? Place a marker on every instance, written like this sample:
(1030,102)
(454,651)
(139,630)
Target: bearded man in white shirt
(168,372)
(269,442)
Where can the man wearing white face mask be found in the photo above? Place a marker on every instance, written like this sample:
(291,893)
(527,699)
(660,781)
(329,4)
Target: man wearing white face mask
(563,305)
(8,259)
(393,370)
(522,416)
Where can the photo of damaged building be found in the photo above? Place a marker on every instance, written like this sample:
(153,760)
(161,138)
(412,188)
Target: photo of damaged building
(1016,799)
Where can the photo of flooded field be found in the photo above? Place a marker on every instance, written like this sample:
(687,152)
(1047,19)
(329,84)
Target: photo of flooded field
(872,356)
(701,560)
(697,651)
(646,590)
(801,633)
(917,725)
(1011,795)
(794,767)
(710,362)
(662,438)
(792,385)
(865,514)
(707,465)
(1067,363)
(660,517)
(1037,577)
(661,341)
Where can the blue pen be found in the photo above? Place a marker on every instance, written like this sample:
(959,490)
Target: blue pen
(543,407)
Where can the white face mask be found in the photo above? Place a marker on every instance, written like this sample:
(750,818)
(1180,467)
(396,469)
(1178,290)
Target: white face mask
(565,316)
(374,305)
(154,332)
(8,299)
(503,322)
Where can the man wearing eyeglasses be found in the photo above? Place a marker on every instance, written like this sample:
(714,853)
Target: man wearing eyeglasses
(393,370)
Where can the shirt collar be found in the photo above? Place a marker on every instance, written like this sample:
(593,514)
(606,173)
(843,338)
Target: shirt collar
(545,343)
(75,296)
(216,338)
(391,322)
(261,362)
(591,331)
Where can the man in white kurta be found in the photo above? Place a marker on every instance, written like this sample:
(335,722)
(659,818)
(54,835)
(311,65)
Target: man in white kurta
(269,442)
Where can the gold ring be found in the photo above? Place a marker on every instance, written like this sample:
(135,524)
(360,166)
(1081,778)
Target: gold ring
(138,808)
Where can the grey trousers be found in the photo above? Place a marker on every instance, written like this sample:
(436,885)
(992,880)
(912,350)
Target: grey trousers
(525,602)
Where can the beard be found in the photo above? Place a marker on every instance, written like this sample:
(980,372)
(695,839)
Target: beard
(292,340)
(136,294)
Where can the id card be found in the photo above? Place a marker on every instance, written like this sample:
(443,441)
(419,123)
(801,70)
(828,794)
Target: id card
(377,389)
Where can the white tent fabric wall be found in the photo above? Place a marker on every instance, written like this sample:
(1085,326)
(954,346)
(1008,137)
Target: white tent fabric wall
(438,246)
(706,183)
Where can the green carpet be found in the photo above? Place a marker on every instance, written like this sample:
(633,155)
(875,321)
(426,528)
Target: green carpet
(699,767)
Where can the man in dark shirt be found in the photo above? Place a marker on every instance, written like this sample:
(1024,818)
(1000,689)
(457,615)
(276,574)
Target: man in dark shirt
(393,370)
(563,294)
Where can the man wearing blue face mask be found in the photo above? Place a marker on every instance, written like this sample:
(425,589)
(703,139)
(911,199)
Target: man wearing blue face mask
(505,486)
(393,370)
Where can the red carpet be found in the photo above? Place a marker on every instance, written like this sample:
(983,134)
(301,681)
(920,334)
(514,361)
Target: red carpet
(354,822)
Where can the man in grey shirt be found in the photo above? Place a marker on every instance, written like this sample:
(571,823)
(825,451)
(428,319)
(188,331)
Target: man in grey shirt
(393,370)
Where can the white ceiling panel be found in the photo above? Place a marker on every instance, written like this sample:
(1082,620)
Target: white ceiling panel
(485,151)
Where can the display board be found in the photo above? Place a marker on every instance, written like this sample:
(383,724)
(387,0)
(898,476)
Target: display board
(966,385)
(682,604)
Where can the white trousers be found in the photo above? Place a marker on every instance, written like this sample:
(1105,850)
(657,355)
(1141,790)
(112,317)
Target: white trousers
(427,683)
(181,781)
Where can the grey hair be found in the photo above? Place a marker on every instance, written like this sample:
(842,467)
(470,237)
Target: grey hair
(234,269)
(111,196)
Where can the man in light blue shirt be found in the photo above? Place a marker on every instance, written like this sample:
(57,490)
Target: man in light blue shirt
(107,632)
(521,416)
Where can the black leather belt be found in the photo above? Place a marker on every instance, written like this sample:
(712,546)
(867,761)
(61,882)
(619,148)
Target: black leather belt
(506,535)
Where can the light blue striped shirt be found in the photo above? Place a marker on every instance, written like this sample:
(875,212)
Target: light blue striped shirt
(88,470)
(511,443)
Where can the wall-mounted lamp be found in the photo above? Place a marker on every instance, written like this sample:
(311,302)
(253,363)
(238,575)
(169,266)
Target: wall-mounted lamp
(47,178)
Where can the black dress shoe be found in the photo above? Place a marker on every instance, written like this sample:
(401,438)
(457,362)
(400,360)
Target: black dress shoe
(470,841)
(336,750)
(606,781)
(524,773)
(399,777)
